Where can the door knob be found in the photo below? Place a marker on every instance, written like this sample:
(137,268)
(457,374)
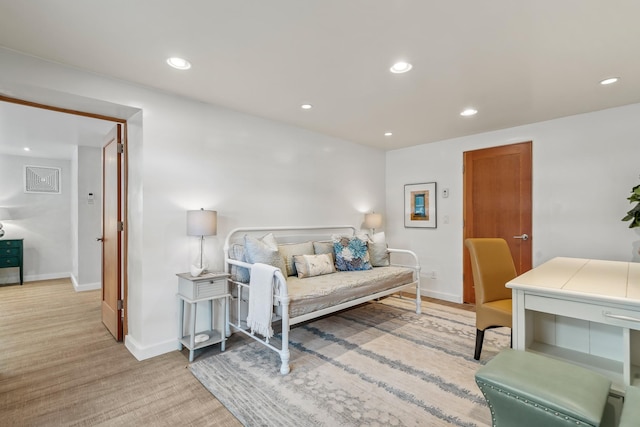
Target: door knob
(99,239)
(523,237)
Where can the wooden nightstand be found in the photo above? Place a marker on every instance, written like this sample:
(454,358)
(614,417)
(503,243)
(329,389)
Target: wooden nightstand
(208,287)
(11,254)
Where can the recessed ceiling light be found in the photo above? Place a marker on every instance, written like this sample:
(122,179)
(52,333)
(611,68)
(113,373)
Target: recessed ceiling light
(27,149)
(179,63)
(469,112)
(609,81)
(388,133)
(401,67)
(306,106)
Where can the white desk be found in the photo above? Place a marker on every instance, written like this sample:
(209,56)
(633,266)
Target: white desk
(584,311)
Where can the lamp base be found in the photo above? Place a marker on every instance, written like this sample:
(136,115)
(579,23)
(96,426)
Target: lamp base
(195,271)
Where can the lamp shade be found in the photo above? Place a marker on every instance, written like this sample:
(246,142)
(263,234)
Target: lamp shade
(202,223)
(372,220)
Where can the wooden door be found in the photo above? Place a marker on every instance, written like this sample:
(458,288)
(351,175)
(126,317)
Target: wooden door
(497,203)
(112,232)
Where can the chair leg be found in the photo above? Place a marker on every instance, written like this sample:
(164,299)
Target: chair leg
(479,339)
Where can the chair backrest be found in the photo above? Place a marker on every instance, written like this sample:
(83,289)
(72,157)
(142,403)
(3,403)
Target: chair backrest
(492,266)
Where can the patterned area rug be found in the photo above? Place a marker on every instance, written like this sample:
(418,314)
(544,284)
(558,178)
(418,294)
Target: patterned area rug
(377,364)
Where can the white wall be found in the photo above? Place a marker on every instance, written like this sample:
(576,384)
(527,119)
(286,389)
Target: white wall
(42,220)
(89,225)
(187,155)
(584,167)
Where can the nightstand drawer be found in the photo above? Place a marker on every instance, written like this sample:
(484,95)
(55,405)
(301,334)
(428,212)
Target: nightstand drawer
(6,252)
(202,288)
(9,262)
(10,244)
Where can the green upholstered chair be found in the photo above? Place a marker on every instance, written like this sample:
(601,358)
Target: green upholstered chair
(631,409)
(525,389)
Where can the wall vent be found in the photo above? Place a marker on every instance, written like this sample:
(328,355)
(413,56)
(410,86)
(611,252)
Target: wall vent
(41,179)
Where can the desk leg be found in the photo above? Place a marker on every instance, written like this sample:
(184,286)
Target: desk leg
(181,322)
(192,326)
(519,326)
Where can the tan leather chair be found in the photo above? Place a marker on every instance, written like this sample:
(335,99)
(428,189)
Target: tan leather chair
(492,266)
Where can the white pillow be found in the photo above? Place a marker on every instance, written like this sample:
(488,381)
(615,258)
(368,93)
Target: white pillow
(314,265)
(379,256)
(289,250)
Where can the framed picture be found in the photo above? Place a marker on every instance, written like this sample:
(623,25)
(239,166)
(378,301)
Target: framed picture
(420,205)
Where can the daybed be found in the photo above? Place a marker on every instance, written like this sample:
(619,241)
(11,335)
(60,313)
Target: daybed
(297,299)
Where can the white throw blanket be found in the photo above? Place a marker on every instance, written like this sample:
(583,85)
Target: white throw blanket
(261,299)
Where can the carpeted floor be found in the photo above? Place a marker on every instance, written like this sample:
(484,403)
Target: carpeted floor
(376,364)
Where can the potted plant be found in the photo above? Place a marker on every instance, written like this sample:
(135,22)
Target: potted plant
(634,214)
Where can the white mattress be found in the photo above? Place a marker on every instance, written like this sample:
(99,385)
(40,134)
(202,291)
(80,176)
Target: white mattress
(315,293)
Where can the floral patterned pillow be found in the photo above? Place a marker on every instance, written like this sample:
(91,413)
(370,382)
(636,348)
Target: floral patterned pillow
(351,253)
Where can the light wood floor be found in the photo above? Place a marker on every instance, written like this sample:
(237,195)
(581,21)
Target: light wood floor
(59,367)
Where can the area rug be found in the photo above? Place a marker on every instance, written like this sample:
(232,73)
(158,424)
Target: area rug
(374,365)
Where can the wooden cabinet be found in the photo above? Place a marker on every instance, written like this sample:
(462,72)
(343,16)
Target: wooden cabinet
(11,254)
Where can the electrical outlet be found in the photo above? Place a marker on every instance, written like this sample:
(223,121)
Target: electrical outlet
(433,275)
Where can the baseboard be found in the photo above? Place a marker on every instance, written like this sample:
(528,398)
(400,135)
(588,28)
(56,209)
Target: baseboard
(441,295)
(51,276)
(85,286)
(141,353)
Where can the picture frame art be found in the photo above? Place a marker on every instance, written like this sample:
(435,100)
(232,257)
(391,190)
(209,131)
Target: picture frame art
(420,205)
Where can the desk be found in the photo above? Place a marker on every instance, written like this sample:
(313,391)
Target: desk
(583,311)
(11,254)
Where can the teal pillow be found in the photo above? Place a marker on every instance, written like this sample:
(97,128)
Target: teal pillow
(351,253)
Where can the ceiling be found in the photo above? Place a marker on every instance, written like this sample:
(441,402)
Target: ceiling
(516,62)
(56,135)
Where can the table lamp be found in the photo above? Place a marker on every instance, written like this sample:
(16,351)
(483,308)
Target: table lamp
(201,223)
(4,214)
(372,221)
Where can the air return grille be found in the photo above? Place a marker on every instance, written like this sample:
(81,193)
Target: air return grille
(41,179)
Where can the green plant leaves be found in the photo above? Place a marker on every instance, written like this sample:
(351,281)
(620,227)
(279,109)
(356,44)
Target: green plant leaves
(634,214)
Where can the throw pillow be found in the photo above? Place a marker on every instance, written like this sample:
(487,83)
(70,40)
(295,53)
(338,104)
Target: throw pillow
(351,253)
(263,250)
(314,265)
(378,250)
(323,248)
(289,250)
(239,274)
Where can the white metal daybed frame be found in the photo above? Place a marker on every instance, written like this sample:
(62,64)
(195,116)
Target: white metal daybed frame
(282,297)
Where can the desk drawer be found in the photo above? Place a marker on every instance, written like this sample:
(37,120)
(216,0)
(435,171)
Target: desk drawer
(7,252)
(600,313)
(202,289)
(9,262)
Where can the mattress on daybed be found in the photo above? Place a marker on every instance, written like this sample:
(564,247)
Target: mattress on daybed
(315,293)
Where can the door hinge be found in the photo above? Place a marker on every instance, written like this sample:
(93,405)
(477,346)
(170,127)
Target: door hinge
(120,148)
(120,304)
(120,225)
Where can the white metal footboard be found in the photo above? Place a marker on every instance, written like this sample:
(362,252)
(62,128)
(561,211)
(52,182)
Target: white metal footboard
(281,297)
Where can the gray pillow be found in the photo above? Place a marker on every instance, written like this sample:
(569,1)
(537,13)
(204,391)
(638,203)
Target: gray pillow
(263,250)
(239,274)
(323,248)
